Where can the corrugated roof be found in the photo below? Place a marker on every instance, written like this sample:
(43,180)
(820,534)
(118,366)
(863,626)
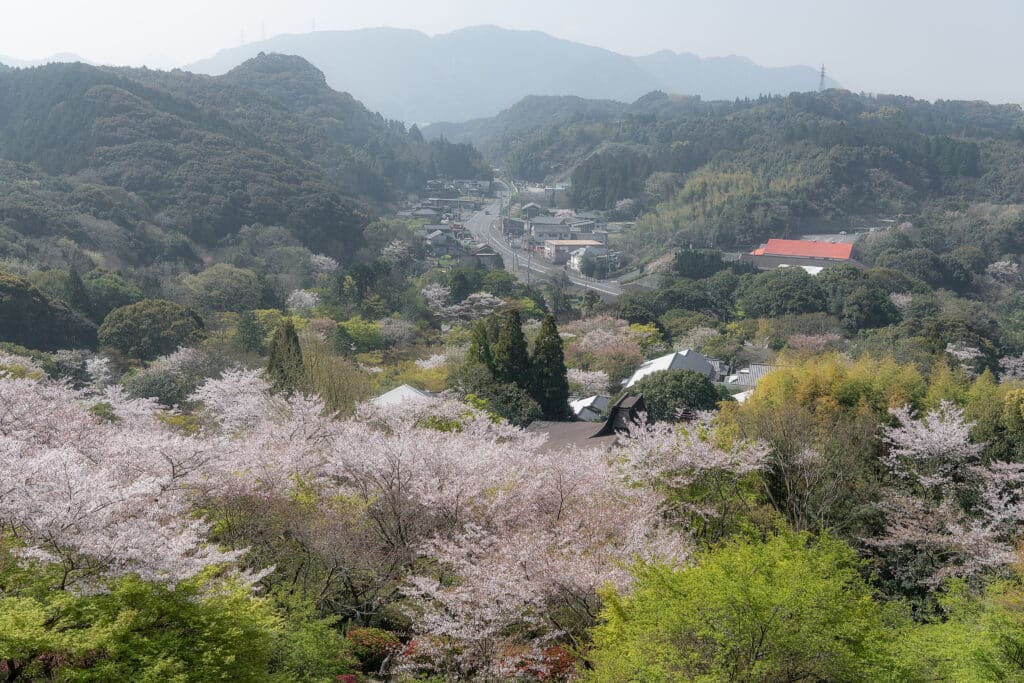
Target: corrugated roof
(687,359)
(806,249)
(750,375)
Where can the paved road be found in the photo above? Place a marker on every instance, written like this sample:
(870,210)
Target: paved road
(483,225)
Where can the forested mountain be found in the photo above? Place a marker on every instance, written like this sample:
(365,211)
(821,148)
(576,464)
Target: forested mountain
(140,162)
(734,173)
(477,71)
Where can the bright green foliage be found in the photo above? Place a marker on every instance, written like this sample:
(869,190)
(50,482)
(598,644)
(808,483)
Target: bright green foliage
(150,328)
(155,634)
(511,359)
(365,334)
(284,364)
(24,634)
(648,336)
(668,392)
(133,631)
(787,609)
(310,650)
(550,386)
(979,637)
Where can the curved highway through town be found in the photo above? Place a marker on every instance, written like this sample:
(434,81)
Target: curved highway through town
(484,227)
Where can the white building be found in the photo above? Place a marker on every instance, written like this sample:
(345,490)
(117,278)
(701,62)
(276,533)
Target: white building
(687,359)
(578,256)
(590,409)
(557,251)
(403,394)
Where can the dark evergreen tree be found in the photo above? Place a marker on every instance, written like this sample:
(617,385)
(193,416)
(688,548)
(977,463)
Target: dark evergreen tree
(550,387)
(248,337)
(669,392)
(284,365)
(78,298)
(480,346)
(511,359)
(342,341)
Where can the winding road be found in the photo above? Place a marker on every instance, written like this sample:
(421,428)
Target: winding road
(483,225)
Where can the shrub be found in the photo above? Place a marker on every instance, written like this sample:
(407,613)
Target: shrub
(372,646)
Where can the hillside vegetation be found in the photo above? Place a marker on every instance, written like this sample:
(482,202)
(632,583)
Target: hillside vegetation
(731,174)
(165,161)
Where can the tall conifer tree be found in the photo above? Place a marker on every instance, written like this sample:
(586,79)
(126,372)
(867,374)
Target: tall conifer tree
(480,345)
(550,386)
(284,365)
(78,299)
(248,337)
(510,357)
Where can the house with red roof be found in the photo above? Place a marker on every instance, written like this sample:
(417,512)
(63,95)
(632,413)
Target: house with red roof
(812,256)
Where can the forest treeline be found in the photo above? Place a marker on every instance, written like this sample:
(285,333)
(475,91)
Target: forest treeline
(732,174)
(153,160)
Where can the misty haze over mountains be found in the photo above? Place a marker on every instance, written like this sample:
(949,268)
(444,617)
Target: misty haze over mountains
(24,63)
(477,72)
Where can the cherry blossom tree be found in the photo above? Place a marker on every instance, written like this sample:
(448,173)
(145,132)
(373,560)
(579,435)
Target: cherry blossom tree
(497,545)
(323,264)
(474,307)
(959,515)
(302,301)
(587,382)
(100,497)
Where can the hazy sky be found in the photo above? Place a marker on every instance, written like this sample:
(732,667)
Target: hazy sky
(928,48)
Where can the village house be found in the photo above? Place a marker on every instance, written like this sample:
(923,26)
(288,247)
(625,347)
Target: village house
(591,408)
(404,394)
(778,253)
(532,210)
(543,228)
(557,251)
(592,253)
(687,359)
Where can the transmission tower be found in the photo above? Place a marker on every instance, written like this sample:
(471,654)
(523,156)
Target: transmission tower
(821,81)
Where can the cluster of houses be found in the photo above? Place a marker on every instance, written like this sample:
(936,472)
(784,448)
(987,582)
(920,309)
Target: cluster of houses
(442,232)
(740,382)
(567,239)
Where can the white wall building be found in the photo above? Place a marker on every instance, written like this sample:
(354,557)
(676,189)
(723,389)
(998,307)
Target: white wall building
(687,359)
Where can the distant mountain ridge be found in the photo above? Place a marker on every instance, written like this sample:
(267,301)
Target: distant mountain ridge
(59,58)
(477,72)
